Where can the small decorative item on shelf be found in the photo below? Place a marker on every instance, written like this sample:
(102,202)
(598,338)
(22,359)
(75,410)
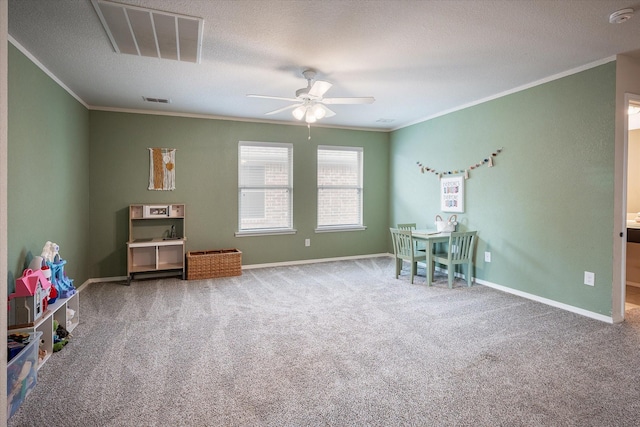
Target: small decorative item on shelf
(64,285)
(151,211)
(60,336)
(30,300)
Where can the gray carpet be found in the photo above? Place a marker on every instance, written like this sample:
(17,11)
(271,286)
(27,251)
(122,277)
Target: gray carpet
(334,344)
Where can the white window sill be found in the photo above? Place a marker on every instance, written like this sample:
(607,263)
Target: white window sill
(264,232)
(340,228)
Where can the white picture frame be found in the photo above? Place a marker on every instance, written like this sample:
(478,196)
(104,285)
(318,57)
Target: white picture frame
(452,194)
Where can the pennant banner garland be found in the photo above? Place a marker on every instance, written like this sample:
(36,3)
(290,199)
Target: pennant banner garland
(486,161)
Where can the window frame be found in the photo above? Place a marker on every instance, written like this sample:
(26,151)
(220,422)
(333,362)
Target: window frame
(359,187)
(288,229)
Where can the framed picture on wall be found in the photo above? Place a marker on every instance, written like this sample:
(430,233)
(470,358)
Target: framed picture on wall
(452,194)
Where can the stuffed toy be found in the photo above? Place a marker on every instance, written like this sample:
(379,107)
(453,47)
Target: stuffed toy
(59,337)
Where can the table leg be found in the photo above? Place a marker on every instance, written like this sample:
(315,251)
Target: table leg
(429,265)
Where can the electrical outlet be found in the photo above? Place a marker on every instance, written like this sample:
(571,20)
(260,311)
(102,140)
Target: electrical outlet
(589,278)
(487,257)
(307,242)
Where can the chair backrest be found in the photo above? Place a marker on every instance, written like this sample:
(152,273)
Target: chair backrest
(402,242)
(409,226)
(461,245)
(393,240)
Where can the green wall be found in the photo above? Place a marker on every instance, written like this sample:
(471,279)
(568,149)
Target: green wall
(545,211)
(206,181)
(48,171)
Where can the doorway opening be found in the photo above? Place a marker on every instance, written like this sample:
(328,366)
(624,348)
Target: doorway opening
(631,291)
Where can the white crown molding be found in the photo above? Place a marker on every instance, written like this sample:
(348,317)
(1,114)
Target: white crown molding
(512,91)
(317,125)
(228,118)
(45,70)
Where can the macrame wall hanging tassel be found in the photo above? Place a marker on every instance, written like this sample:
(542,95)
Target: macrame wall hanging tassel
(466,174)
(490,162)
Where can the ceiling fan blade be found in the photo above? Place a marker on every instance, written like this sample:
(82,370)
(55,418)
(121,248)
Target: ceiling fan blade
(327,111)
(361,100)
(280,110)
(273,97)
(319,88)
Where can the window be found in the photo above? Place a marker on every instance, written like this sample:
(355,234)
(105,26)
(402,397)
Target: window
(339,187)
(264,187)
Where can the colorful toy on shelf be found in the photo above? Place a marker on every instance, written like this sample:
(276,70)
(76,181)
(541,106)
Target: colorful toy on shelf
(30,300)
(38,263)
(63,284)
(60,335)
(50,252)
(51,256)
(53,294)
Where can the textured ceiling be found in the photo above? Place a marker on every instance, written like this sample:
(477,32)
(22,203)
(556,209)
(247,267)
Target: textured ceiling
(417,58)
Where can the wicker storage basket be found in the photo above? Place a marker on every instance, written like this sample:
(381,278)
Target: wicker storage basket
(216,263)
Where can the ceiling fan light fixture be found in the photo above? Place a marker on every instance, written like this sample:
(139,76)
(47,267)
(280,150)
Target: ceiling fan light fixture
(318,111)
(299,112)
(309,116)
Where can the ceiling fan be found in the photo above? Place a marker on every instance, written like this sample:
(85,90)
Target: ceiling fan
(310,103)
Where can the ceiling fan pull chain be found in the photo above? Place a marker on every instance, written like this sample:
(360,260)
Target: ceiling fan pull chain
(309,127)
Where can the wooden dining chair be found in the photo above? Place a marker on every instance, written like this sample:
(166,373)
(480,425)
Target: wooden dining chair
(408,226)
(459,252)
(412,226)
(405,250)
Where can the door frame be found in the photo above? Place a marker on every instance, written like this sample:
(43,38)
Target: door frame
(619,288)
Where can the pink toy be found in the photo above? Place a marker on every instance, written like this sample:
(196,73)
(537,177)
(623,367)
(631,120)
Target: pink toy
(29,302)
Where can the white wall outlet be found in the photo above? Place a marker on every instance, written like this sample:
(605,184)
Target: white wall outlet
(307,242)
(589,278)
(487,257)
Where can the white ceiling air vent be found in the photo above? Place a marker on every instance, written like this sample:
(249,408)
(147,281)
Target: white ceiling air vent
(147,32)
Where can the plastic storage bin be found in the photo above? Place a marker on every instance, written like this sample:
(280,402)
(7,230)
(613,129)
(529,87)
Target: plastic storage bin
(22,373)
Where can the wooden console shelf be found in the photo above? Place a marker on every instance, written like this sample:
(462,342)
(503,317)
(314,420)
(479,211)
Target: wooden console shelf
(156,239)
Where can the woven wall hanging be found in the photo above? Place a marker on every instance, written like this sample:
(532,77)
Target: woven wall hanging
(162,169)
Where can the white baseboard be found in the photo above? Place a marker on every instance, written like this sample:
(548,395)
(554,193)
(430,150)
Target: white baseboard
(563,306)
(313,261)
(100,280)
(252,266)
(567,307)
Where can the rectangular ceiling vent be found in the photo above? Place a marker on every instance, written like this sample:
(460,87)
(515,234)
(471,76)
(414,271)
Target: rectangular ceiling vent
(156,100)
(146,32)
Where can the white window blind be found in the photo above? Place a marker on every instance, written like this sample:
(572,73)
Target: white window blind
(265,186)
(339,186)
